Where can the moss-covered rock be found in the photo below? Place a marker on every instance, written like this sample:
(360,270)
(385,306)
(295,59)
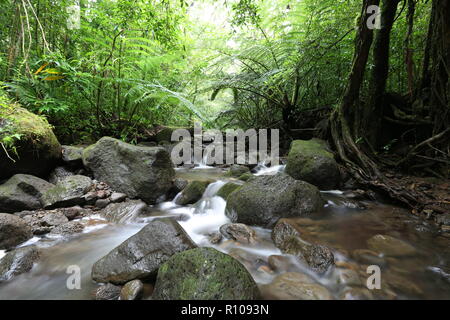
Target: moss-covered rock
(204,274)
(31,143)
(310,161)
(228,188)
(263,200)
(237,171)
(165,133)
(246,176)
(192,193)
(140,172)
(67,192)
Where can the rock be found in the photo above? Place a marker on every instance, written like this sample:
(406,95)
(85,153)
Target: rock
(347,277)
(192,193)
(263,200)
(239,232)
(124,212)
(69,228)
(13,231)
(73,212)
(179,184)
(281,263)
(139,172)
(227,189)
(72,155)
(295,286)
(237,171)
(60,173)
(310,161)
(68,192)
(390,246)
(54,219)
(132,290)
(108,292)
(165,133)
(368,257)
(318,257)
(102,203)
(141,255)
(356,293)
(443,219)
(204,274)
(22,192)
(38,150)
(215,238)
(246,176)
(18,261)
(118,197)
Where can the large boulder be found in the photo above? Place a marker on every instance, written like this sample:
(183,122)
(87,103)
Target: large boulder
(18,261)
(68,192)
(124,212)
(204,274)
(13,231)
(310,161)
(140,172)
(140,256)
(37,150)
(22,192)
(288,239)
(192,193)
(263,200)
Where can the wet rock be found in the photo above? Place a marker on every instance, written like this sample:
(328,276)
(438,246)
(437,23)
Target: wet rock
(141,255)
(318,257)
(67,192)
(72,155)
(179,184)
(54,219)
(215,238)
(246,176)
(22,192)
(347,277)
(263,200)
(390,246)
(356,293)
(69,228)
(281,263)
(13,231)
(368,257)
(402,284)
(132,290)
(118,197)
(227,189)
(311,161)
(139,172)
(239,232)
(237,171)
(102,203)
(60,173)
(108,292)
(443,219)
(73,212)
(38,149)
(124,212)
(18,261)
(295,286)
(192,193)
(204,274)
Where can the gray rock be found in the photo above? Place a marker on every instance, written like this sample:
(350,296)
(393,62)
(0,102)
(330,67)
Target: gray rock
(67,192)
(239,232)
(69,228)
(60,173)
(132,290)
(263,200)
(72,155)
(18,261)
(310,161)
(139,172)
(118,197)
(141,255)
(108,292)
(192,193)
(204,274)
(318,257)
(22,192)
(102,203)
(54,219)
(237,170)
(124,212)
(179,184)
(13,231)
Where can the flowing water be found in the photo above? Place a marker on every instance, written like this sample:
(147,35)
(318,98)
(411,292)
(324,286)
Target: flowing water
(340,225)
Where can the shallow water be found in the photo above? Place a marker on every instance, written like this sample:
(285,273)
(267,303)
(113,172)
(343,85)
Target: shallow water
(340,225)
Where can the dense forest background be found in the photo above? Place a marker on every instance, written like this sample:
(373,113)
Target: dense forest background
(308,67)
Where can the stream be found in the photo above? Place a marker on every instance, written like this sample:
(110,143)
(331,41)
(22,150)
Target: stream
(340,225)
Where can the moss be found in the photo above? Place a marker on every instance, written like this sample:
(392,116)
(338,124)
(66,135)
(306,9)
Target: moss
(246,176)
(237,171)
(227,189)
(193,192)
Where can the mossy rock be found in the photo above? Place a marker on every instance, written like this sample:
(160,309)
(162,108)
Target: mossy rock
(246,176)
(193,192)
(310,161)
(165,133)
(227,188)
(35,148)
(237,171)
(204,274)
